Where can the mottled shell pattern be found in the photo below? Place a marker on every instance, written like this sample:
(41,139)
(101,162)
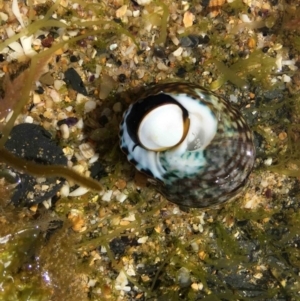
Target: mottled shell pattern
(193,143)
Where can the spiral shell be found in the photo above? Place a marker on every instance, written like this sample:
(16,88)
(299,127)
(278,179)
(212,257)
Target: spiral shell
(194,144)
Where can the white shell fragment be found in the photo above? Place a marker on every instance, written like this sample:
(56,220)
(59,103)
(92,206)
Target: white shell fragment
(79,191)
(162,128)
(16,11)
(87,150)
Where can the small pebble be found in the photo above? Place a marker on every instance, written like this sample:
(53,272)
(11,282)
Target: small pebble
(77,220)
(142,240)
(121,197)
(55,96)
(28,119)
(117,108)
(113,47)
(268,162)
(36,98)
(79,191)
(188,19)
(184,277)
(143,2)
(107,196)
(87,150)
(178,51)
(120,12)
(89,106)
(121,282)
(65,190)
(121,184)
(286,78)
(58,84)
(282,136)
(65,131)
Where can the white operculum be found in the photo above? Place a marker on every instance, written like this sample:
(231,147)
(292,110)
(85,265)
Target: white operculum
(162,128)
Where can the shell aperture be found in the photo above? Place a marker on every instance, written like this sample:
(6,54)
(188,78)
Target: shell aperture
(209,157)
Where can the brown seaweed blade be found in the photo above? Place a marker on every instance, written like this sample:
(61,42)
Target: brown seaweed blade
(47,170)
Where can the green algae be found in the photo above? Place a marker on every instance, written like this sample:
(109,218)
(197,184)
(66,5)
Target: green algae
(164,24)
(256,68)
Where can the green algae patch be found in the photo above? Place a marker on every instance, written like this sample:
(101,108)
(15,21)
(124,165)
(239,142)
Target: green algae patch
(37,263)
(281,137)
(254,69)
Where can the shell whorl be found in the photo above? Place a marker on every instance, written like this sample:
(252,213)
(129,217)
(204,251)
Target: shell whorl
(200,172)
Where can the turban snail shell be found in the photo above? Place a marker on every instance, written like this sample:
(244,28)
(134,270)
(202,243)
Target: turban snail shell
(194,144)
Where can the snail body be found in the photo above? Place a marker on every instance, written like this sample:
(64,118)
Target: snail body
(194,144)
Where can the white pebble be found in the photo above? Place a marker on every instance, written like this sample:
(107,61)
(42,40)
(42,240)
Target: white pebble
(80,124)
(65,190)
(178,51)
(268,162)
(195,246)
(47,204)
(92,282)
(79,191)
(161,66)
(245,18)
(113,47)
(121,197)
(143,239)
(58,83)
(65,131)
(136,13)
(28,119)
(37,42)
(288,62)
(55,95)
(286,78)
(107,196)
(94,158)
(121,282)
(184,277)
(89,106)
(80,98)
(233,98)
(144,2)
(26,44)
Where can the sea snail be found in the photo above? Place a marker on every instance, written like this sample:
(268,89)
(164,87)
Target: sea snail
(194,144)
